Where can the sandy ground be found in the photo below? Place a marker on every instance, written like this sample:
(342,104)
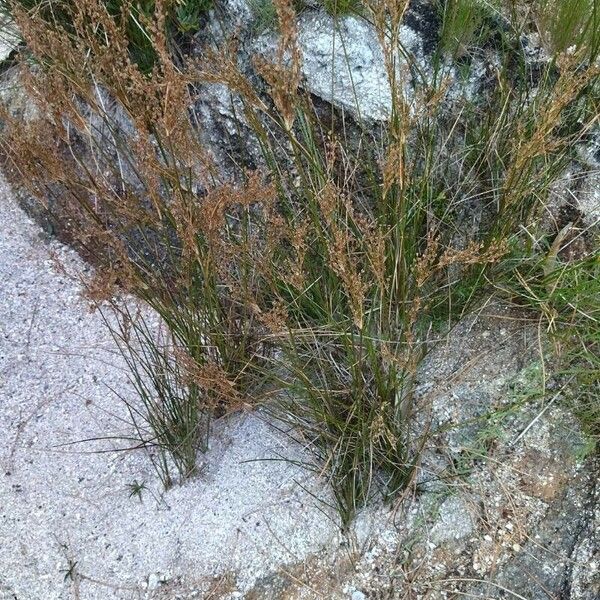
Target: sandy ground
(68,526)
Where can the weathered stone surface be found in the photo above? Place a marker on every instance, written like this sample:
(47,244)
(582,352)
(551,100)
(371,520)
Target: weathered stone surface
(9,37)
(584,567)
(343,64)
(14,97)
(343,60)
(588,197)
(454,523)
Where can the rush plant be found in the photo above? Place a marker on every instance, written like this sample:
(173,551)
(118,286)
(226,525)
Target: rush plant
(317,282)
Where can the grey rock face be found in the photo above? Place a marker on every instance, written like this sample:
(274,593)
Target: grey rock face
(454,523)
(343,64)
(584,581)
(9,37)
(343,61)
(589,196)
(14,97)
(558,557)
(224,130)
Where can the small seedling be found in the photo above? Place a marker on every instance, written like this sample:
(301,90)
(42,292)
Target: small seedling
(70,571)
(136,488)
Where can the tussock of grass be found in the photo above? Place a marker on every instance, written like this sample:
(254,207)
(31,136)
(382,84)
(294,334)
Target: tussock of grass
(313,283)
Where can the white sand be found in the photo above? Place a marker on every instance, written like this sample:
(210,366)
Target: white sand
(62,505)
